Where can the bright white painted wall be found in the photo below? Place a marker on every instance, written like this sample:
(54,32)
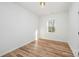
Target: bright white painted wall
(61,26)
(74,28)
(17,27)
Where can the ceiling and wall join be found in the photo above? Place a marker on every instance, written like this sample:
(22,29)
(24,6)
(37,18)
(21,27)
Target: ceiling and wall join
(49,8)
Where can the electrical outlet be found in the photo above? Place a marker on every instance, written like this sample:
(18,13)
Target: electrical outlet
(78,54)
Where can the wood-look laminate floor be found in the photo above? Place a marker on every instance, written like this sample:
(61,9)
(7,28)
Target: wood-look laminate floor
(43,48)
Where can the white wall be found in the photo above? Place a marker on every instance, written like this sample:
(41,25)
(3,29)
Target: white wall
(61,26)
(17,27)
(74,28)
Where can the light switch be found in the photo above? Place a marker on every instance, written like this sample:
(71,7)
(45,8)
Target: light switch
(78,12)
(78,33)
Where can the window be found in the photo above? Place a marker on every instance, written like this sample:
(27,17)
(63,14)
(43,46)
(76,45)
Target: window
(51,27)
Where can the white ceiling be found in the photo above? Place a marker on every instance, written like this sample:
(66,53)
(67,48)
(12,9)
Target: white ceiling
(49,8)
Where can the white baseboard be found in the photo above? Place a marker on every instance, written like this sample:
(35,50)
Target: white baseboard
(73,50)
(53,39)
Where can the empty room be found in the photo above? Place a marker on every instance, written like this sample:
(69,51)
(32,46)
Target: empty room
(39,29)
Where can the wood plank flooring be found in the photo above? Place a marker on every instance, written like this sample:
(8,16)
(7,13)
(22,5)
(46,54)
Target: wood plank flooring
(44,48)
